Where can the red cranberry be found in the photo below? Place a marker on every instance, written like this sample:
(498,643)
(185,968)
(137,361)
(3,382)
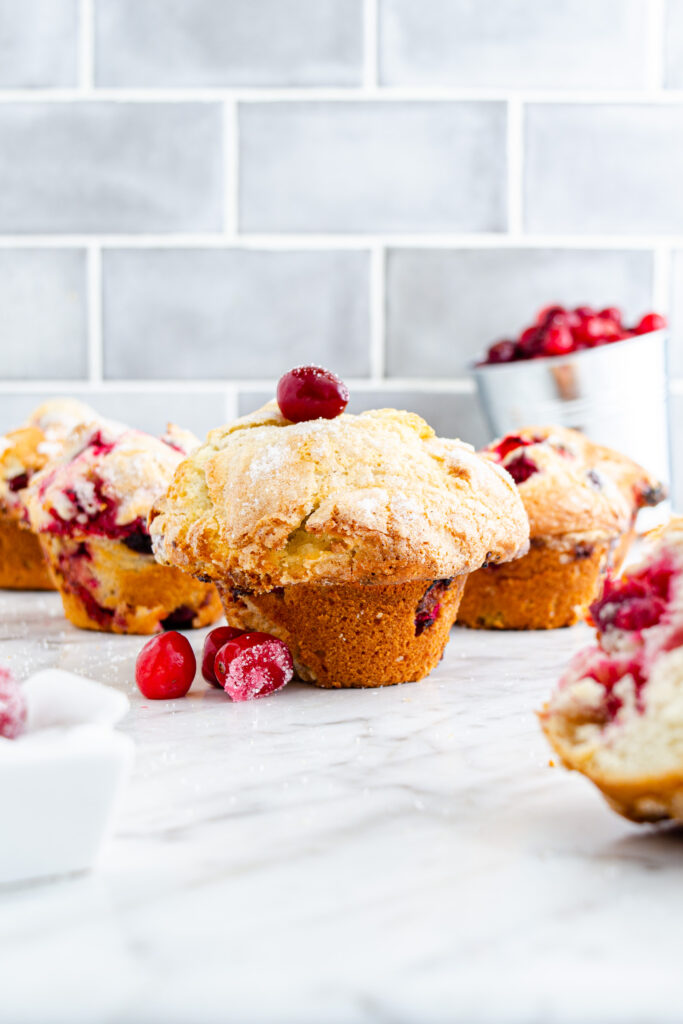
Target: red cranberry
(547,314)
(558,341)
(521,468)
(611,313)
(311,393)
(584,312)
(511,442)
(650,322)
(529,343)
(595,330)
(501,352)
(213,643)
(165,667)
(253,665)
(12,707)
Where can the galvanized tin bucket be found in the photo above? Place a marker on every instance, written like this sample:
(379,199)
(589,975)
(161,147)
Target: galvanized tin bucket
(616,394)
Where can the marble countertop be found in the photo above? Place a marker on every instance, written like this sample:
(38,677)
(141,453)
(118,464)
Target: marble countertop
(397,855)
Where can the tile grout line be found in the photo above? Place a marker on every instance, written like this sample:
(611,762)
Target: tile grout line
(354,94)
(370,46)
(515,159)
(231,170)
(94,298)
(377,312)
(86,48)
(661,279)
(321,241)
(654,61)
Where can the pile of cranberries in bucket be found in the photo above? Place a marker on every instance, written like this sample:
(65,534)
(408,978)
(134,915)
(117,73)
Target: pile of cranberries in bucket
(557,331)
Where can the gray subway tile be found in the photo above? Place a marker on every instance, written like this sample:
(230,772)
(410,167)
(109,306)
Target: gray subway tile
(44,314)
(673,44)
(356,167)
(676,318)
(612,168)
(513,43)
(150,411)
(449,413)
(677,452)
(38,43)
(229,313)
(111,167)
(162,43)
(445,306)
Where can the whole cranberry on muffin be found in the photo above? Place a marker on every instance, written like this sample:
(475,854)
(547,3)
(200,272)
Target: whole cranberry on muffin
(90,511)
(349,538)
(617,715)
(24,452)
(582,500)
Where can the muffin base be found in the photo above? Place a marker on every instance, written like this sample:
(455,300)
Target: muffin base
(352,635)
(548,588)
(22,564)
(107,587)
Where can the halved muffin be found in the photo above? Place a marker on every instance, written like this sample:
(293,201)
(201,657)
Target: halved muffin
(582,500)
(348,538)
(617,715)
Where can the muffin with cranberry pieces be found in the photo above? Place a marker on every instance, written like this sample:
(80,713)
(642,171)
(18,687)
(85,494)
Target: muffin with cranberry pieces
(617,714)
(582,500)
(90,511)
(349,538)
(24,452)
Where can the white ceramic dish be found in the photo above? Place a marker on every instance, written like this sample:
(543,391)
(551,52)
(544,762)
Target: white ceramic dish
(60,780)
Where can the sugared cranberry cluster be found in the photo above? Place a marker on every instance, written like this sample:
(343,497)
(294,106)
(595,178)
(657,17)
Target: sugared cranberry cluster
(558,331)
(245,665)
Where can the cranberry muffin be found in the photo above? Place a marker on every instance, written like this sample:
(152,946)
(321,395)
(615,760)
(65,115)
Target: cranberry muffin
(617,715)
(582,500)
(90,511)
(348,538)
(24,452)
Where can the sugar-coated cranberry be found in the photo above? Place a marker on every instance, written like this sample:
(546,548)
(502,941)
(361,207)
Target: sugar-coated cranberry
(253,665)
(502,352)
(12,707)
(521,468)
(650,322)
(165,667)
(216,639)
(311,393)
(557,341)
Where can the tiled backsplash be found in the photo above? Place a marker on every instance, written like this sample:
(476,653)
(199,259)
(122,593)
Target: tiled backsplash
(196,194)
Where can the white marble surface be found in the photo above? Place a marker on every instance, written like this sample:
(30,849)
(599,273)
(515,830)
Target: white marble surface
(400,855)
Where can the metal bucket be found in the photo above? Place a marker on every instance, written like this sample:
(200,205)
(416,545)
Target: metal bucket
(615,394)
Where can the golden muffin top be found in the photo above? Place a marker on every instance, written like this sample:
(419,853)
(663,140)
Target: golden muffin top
(370,498)
(570,485)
